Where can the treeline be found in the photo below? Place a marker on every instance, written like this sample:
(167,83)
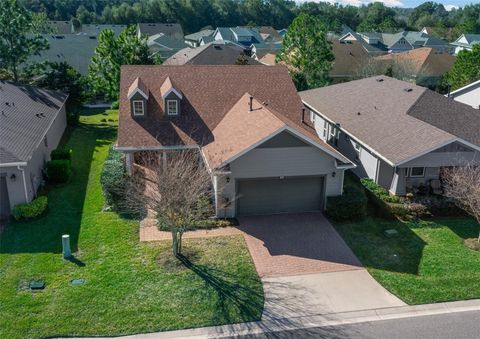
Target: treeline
(194,15)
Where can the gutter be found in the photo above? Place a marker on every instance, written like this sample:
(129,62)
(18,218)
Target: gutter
(13,164)
(24,182)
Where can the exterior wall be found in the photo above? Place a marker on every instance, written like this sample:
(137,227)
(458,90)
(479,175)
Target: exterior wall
(277,162)
(33,170)
(385,174)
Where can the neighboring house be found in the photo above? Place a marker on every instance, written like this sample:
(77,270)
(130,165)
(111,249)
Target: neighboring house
(268,59)
(469,95)
(32,122)
(62,27)
(94,30)
(195,39)
(214,53)
(174,31)
(269,34)
(399,134)
(466,42)
(350,56)
(248,126)
(76,50)
(424,66)
(165,45)
(282,32)
(398,42)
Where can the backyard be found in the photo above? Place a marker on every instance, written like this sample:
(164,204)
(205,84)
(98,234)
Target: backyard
(130,287)
(425,262)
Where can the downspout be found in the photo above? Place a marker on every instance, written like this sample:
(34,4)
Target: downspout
(24,182)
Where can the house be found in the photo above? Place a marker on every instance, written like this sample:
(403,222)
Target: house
(399,134)
(469,95)
(165,45)
(75,49)
(32,122)
(269,34)
(174,31)
(214,53)
(248,126)
(195,39)
(62,27)
(398,42)
(466,42)
(350,57)
(282,32)
(425,66)
(93,30)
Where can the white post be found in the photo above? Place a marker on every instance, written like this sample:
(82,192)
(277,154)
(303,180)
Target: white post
(67,253)
(129,162)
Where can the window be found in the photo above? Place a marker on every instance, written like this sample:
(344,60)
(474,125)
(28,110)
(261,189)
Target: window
(358,147)
(138,107)
(172,107)
(325,128)
(334,135)
(415,172)
(312,116)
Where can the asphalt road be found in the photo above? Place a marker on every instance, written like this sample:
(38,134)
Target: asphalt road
(461,325)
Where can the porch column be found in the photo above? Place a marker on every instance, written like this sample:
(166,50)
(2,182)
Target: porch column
(164,161)
(129,163)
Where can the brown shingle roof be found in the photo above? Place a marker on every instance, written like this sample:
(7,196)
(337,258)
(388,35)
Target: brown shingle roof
(349,56)
(377,114)
(137,85)
(210,94)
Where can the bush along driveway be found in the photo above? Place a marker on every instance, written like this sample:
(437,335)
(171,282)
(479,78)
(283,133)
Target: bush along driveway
(129,287)
(425,262)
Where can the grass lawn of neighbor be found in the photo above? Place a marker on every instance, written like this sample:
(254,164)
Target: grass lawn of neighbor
(130,287)
(426,262)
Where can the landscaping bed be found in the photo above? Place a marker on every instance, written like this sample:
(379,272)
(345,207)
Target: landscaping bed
(128,288)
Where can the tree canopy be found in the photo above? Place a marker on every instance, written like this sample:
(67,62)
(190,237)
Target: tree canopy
(20,36)
(466,68)
(110,54)
(307,53)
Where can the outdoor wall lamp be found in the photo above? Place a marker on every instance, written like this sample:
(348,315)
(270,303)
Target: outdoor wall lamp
(13,177)
(227,179)
(334,174)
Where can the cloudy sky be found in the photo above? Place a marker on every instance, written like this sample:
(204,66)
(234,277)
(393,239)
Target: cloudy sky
(404,3)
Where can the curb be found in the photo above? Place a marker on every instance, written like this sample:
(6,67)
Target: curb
(319,320)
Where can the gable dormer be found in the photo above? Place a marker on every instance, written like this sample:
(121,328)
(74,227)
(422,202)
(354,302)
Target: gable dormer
(172,98)
(138,98)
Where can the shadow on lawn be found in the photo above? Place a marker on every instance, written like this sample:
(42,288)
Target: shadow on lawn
(65,202)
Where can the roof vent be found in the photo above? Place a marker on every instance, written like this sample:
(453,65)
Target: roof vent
(379,80)
(358,113)
(408,89)
(217,47)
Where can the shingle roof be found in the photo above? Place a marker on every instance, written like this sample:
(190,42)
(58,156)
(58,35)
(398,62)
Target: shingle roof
(209,94)
(26,113)
(173,30)
(198,35)
(397,124)
(94,30)
(349,55)
(213,53)
(62,27)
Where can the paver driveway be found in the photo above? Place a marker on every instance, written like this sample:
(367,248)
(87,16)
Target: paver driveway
(296,244)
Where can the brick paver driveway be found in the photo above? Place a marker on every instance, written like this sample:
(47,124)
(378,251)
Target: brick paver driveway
(296,244)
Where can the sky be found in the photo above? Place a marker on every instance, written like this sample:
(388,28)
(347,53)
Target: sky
(449,4)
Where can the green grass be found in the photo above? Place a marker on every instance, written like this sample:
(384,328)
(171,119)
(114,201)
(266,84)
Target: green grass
(126,290)
(425,263)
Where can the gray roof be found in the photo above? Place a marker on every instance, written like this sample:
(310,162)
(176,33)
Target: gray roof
(76,50)
(94,30)
(395,123)
(197,36)
(62,27)
(471,40)
(173,30)
(26,113)
(251,35)
(213,53)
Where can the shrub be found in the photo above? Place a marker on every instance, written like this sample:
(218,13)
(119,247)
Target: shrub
(114,105)
(113,178)
(59,171)
(61,154)
(206,224)
(352,205)
(30,210)
(73,118)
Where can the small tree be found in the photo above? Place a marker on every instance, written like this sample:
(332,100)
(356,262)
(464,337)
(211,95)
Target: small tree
(178,190)
(307,53)
(19,36)
(463,185)
(110,54)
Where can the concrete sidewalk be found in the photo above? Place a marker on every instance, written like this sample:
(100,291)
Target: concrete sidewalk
(313,321)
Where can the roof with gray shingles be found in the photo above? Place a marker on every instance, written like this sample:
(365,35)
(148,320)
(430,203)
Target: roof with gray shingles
(26,113)
(210,54)
(197,36)
(173,30)
(397,124)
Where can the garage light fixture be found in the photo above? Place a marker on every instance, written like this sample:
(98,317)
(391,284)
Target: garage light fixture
(334,174)
(13,177)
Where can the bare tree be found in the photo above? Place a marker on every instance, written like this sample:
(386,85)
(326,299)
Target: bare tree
(463,185)
(398,68)
(177,189)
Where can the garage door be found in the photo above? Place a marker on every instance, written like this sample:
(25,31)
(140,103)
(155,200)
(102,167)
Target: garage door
(288,195)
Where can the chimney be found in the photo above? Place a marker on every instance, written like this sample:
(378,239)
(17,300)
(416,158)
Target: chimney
(250,104)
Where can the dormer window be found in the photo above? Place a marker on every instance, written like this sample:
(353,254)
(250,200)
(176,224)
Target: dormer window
(172,107)
(138,107)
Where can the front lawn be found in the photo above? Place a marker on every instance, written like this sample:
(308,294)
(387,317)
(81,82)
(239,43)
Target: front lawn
(129,287)
(425,263)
